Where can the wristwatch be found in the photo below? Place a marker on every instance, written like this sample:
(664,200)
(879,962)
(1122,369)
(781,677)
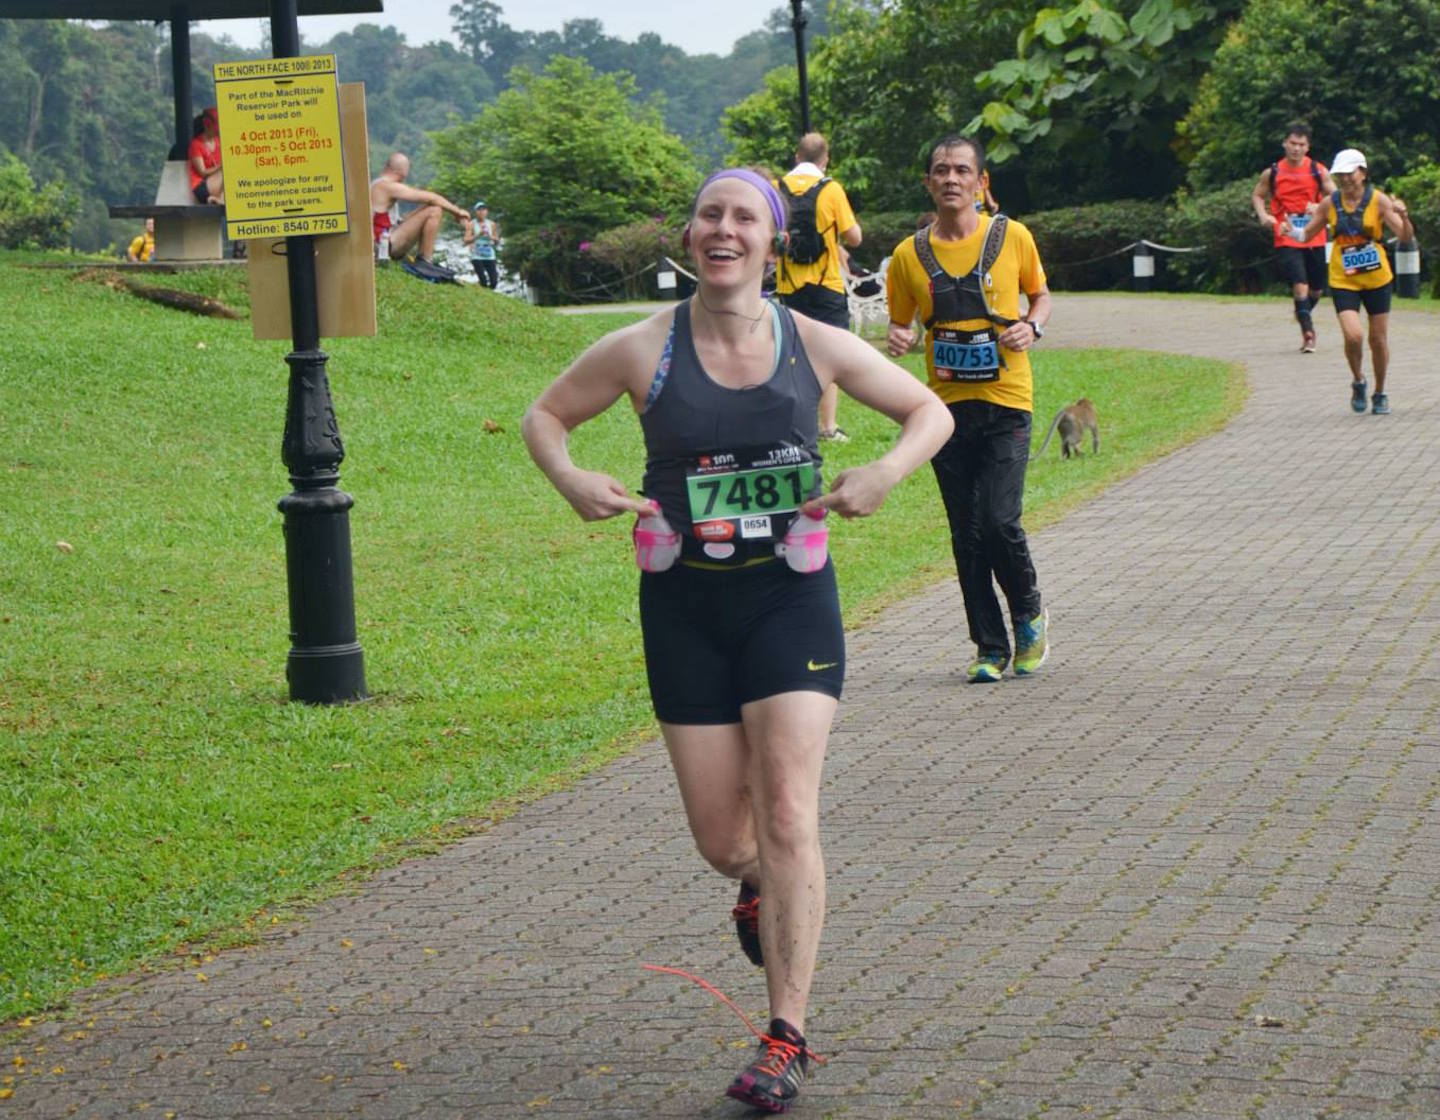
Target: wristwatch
(1037,328)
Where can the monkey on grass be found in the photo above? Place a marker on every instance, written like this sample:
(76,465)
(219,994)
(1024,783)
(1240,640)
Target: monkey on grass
(1073,420)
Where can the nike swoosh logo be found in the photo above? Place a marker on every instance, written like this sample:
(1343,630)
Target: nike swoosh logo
(816,668)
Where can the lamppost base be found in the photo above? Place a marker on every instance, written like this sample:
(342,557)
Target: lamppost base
(327,674)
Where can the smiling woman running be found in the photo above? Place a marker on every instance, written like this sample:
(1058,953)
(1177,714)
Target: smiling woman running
(744,645)
(1360,274)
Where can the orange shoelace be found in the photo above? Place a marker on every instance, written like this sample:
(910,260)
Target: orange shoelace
(778,1055)
(773,1046)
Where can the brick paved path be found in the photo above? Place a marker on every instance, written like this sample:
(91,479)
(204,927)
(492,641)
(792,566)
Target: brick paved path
(1191,870)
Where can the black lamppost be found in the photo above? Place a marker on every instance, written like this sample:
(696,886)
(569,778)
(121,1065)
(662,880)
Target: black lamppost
(326,664)
(180,76)
(798,23)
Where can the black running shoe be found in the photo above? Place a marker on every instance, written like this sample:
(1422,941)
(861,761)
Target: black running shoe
(772,1081)
(747,923)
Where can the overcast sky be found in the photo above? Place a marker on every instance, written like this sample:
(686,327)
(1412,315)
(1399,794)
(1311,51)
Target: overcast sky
(696,26)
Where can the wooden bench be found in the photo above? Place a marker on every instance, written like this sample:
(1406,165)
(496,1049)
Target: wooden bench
(185,230)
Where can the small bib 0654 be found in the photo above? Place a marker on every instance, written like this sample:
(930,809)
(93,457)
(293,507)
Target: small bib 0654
(965,355)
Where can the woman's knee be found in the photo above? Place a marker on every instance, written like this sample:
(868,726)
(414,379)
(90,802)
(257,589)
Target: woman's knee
(790,821)
(728,850)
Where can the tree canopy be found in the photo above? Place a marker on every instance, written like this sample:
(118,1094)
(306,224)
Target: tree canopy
(567,153)
(1362,75)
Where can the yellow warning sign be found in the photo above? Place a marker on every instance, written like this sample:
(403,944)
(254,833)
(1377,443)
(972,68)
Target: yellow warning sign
(280,147)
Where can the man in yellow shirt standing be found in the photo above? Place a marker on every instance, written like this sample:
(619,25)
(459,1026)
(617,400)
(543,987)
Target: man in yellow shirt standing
(964,275)
(808,276)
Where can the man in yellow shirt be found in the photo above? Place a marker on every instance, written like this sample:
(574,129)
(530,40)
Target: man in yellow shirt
(809,277)
(964,275)
(142,248)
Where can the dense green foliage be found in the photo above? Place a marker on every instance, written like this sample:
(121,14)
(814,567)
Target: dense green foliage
(31,219)
(1095,92)
(696,88)
(1420,190)
(1080,245)
(573,153)
(158,787)
(1363,75)
(884,84)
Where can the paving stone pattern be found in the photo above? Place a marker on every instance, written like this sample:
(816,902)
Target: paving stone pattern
(1192,869)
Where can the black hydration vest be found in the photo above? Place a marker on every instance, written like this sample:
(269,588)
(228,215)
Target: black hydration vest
(1351,223)
(739,460)
(959,298)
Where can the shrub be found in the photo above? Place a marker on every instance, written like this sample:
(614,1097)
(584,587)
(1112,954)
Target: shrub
(1082,246)
(550,261)
(1239,251)
(630,250)
(1420,189)
(31,219)
(882,231)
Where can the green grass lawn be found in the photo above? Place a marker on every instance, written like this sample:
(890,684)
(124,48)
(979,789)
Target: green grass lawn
(160,791)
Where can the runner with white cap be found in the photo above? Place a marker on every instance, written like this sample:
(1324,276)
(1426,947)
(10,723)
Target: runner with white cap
(1360,275)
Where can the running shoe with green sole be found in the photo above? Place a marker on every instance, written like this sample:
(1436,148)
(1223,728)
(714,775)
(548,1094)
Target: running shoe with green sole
(986,669)
(1032,644)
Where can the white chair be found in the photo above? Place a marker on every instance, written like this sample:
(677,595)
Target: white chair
(870,307)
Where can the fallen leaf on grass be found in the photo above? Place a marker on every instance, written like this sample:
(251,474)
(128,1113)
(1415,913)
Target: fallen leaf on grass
(235,1048)
(492,427)
(65,546)
(1268,1021)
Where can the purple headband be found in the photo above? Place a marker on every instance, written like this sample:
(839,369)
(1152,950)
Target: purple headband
(762,184)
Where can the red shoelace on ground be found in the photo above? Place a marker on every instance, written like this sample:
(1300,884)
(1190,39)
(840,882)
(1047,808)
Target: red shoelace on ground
(777,1050)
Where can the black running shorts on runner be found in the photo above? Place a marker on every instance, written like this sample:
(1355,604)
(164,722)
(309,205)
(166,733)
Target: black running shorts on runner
(815,301)
(715,640)
(1303,266)
(1376,300)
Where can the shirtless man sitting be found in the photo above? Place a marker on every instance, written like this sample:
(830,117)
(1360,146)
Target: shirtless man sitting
(421,225)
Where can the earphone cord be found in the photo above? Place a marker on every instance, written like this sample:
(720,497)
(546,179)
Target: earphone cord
(754,320)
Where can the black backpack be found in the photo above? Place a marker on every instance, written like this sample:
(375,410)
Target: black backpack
(807,242)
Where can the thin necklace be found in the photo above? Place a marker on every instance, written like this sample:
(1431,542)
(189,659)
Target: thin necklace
(754,320)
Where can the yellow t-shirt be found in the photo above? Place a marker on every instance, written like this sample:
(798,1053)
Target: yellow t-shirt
(833,217)
(1342,243)
(1016,270)
(143,247)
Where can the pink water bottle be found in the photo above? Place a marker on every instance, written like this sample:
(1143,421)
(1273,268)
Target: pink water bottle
(657,545)
(807,543)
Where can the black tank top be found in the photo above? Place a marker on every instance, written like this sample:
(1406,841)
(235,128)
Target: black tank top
(729,466)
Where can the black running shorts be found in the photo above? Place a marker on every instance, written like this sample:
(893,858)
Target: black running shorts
(1376,300)
(1302,266)
(715,640)
(815,301)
